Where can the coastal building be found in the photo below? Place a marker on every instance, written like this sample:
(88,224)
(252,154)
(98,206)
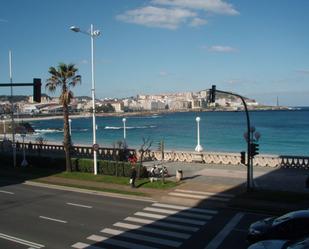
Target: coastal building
(118,106)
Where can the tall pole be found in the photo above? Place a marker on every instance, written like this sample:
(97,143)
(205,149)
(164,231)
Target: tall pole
(93,101)
(12,107)
(70,127)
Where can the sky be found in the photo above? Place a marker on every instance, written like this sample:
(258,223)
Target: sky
(256,48)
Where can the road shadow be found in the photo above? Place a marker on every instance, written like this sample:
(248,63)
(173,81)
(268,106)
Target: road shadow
(169,225)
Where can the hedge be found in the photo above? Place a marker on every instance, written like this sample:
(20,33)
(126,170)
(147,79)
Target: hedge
(117,168)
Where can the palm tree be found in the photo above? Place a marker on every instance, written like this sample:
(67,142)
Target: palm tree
(64,77)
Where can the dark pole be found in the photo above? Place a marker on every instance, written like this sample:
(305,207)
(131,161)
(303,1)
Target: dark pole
(249,163)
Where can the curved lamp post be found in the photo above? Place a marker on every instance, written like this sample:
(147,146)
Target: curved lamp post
(198,147)
(92,34)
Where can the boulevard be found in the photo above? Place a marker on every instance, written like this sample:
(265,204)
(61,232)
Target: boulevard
(36,217)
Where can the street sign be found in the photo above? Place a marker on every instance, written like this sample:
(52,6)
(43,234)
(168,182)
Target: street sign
(95,147)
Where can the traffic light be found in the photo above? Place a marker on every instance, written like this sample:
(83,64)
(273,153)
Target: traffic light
(37,90)
(212,94)
(243,157)
(254,149)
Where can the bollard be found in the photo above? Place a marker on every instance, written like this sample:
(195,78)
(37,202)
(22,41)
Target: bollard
(179,175)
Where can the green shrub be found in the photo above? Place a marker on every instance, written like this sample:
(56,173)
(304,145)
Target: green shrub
(116,168)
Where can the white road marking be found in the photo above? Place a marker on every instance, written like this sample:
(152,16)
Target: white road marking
(162,224)
(166,217)
(80,245)
(187,214)
(137,236)
(116,242)
(205,193)
(6,192)
(21,241)
(199,196)
(198,210)
(78,205)
(216,241)
(52,219)
(153,230)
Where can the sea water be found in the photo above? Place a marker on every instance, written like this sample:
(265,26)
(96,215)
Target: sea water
(282,132)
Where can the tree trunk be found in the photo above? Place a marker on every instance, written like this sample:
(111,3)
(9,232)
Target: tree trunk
(67,139)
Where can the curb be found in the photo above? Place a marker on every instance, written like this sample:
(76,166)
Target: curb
(87,191)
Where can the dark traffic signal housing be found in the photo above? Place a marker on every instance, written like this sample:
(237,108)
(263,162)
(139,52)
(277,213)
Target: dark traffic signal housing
(37,90)
(212,94)
(254,149)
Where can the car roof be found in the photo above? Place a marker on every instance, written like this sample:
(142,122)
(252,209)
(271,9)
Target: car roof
(300,214)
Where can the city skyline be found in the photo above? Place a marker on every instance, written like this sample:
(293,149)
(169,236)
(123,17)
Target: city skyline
(257,49)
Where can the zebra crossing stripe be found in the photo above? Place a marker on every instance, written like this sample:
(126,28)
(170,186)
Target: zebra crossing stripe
(153,230)
(183,220)
(205,193)
(146,238)
(80,245)
(190,209)
(162,224)
(199,196)
(165,211)
(115,242)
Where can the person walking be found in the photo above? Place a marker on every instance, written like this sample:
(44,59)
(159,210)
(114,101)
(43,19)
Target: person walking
(133,176)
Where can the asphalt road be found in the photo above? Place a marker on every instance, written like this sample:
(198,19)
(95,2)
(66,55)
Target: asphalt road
(35,217)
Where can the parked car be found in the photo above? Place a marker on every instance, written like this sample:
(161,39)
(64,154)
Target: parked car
(281,244)
(293,225)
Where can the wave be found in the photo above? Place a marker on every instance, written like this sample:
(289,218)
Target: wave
(129,127)
(48,130)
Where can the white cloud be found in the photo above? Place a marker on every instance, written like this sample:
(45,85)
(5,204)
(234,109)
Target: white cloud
(163,73)
(214,6)
(198,22)
(303,71)
(151,16)
(222,49)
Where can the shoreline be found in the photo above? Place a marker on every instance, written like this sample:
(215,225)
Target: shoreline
(144,113)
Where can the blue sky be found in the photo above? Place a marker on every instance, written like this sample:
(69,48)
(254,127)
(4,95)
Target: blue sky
(257,48)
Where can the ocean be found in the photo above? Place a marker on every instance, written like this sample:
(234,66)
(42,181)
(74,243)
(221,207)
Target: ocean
(282,132)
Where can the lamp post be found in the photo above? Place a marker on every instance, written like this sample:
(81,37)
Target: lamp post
(4,130)
(124,128)
(70,127)
(24,163)
(92,34)
(198,147)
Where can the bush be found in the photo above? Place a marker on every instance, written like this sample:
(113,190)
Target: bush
(117,168)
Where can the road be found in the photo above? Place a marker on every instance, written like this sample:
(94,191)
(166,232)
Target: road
(35,217)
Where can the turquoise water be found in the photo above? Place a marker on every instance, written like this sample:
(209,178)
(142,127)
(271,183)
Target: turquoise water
(282,132)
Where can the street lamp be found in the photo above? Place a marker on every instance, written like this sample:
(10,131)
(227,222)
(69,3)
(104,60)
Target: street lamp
(92,34)
(4,131)
(198,147)
(24,163)
(124,131)
(70,127)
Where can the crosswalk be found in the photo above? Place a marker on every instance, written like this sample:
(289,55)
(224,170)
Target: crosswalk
(159,225)
(201,195)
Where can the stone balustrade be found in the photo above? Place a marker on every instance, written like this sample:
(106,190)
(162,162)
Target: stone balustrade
(231,159)
(284,161)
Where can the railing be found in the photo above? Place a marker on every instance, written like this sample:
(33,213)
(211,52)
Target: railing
(284,161)
(77,151)
(232,159)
